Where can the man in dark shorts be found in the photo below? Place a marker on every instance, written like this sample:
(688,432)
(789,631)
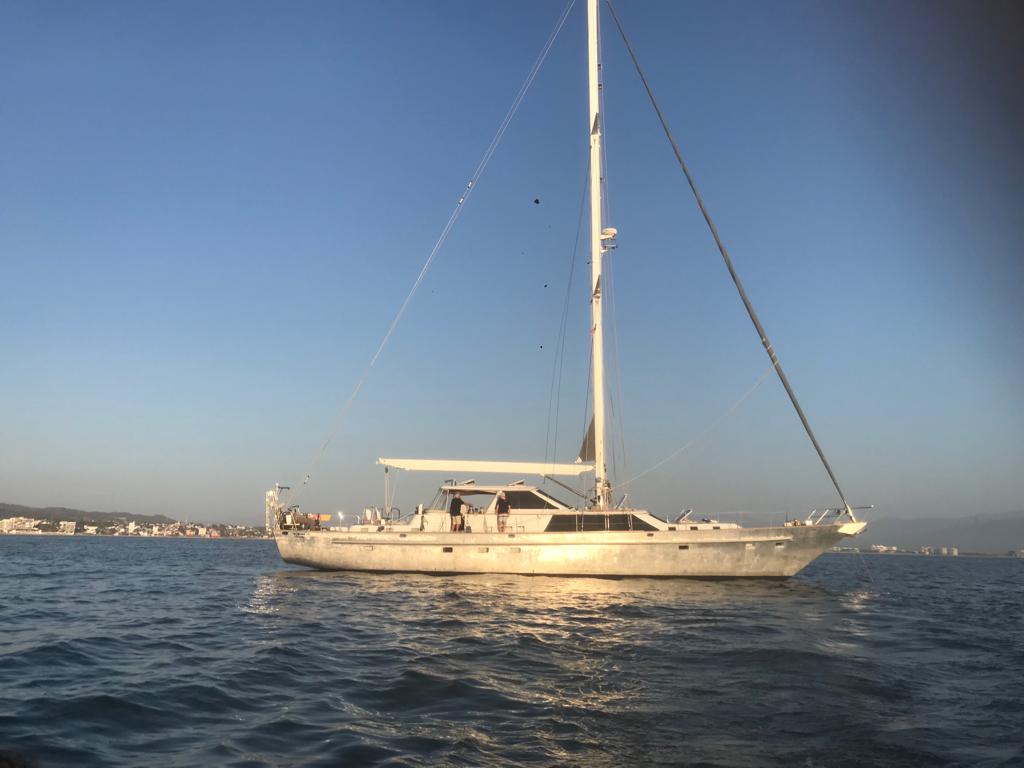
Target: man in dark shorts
(502,509)
(455,511)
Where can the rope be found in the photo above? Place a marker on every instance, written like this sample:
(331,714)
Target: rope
(704,432)
(456,212)
(867,570)
(732,271)
(555,393)
(615,399)
(615,394)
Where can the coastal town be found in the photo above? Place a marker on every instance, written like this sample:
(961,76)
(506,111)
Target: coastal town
(34,526)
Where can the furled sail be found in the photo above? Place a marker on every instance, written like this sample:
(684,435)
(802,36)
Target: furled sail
(587,449)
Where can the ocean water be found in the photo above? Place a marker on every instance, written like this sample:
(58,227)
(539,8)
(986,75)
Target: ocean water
(137,652)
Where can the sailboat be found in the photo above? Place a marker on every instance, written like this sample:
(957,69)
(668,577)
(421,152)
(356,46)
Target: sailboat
(521,528)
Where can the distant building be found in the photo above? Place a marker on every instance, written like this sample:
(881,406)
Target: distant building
(67,527)
(19,525)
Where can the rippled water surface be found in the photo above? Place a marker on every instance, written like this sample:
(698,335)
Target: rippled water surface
(184,653)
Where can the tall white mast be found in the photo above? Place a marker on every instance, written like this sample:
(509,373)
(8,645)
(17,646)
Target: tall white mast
(597,250)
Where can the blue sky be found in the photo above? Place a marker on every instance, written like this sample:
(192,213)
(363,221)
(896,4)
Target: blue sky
(210,212)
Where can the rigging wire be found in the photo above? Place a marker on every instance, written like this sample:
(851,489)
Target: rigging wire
(616,402)
(762,334)
(615,391)
(555,394)
(867,570)
(613,359)
(446,230)
(706,431)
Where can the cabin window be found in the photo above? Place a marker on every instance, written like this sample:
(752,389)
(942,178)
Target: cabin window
(367,547)
(595,521)
(572,523)
(684,546)
(671,527)
(527,500)
(402,535)
(650,534)
(514,550)
(446,549)
(483,549)
(780,543)
(716,527)
(694,528)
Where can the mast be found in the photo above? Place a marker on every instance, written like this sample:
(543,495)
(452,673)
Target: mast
(597,250)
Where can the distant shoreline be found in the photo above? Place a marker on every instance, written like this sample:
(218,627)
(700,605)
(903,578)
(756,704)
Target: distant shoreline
(986,555)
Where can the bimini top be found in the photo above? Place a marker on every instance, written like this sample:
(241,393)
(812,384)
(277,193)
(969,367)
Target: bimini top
(489,467)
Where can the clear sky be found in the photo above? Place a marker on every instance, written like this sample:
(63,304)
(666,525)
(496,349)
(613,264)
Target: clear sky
(210,212)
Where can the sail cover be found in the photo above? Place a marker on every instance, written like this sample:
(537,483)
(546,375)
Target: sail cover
(497,467)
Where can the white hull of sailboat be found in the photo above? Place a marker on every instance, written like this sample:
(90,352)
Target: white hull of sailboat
(774,552)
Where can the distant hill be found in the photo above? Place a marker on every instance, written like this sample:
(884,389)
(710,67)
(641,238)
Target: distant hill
(995,534)
(58,514)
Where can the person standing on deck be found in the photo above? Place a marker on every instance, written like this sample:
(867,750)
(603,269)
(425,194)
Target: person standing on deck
(502,509)
(455,511)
